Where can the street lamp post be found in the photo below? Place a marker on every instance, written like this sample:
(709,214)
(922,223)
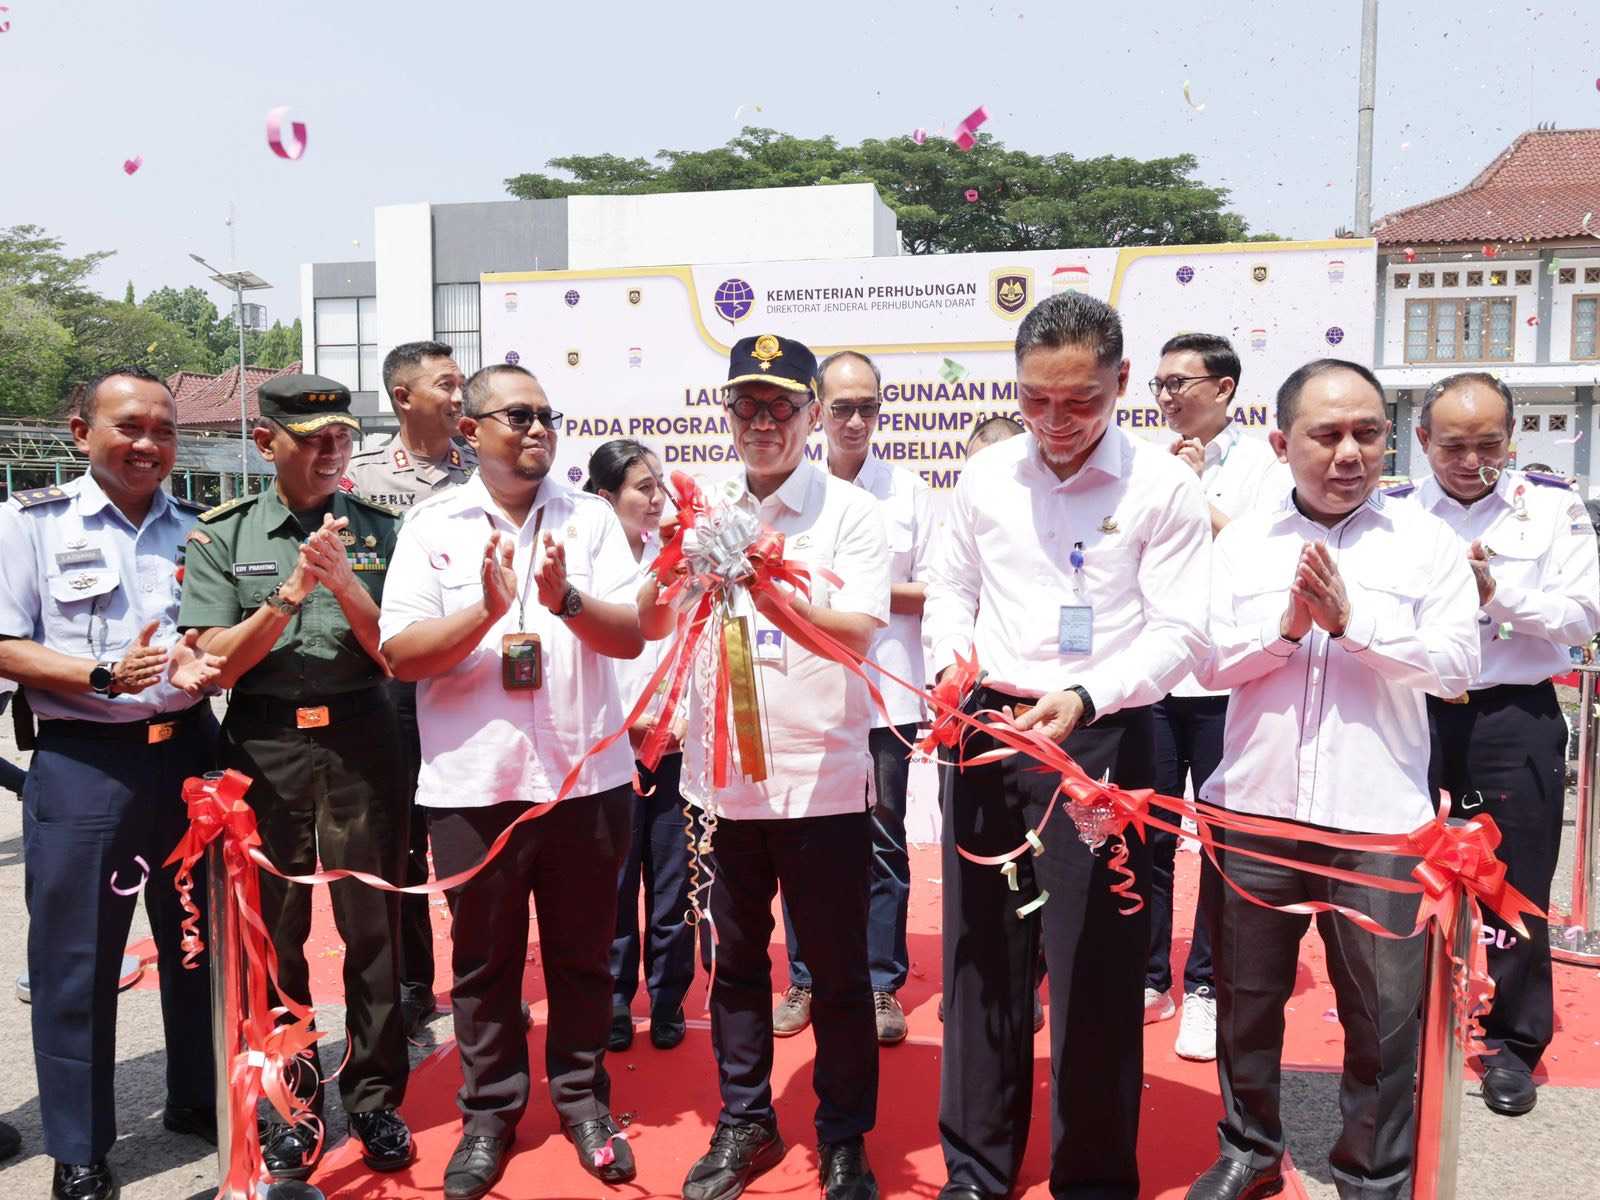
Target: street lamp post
(241,282)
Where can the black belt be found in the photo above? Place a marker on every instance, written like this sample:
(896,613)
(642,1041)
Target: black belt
(148,731)
(311,713)
(1500,693)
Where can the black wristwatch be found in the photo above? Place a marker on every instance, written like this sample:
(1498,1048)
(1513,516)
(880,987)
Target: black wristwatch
(102,677)
(1088,705)
(571,604)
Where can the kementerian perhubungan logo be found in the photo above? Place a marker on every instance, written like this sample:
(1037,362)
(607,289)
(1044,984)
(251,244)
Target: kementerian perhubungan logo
(733,300)
(1010,291)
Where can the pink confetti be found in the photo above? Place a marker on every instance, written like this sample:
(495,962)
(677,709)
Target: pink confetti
(130,165)
(5,23)
(1575,438)
(1411,255)
(296,145)
(1490,251)
(1331,1015)
(919,136)
(438,559)
(972,195)
(966,131)
(134,890)
(1532,321)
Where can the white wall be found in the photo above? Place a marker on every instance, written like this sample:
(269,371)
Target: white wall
(403,243)
(1561,308)
(308,321)
(1393,351)
(762,224)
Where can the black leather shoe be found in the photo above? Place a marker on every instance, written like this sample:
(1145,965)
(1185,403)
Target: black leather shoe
(602,1149)
(385,1139)
(73,1181)
(845,1172)
(197,1122)
(286,1150)
(963,1191)
(667,1029)
(10,1141)
(738,1154)
(475,1166)
(1230,1179)
(1509,1092)
(621,1030)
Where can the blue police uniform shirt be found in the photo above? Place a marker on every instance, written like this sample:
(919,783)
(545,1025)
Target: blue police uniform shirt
(77,577)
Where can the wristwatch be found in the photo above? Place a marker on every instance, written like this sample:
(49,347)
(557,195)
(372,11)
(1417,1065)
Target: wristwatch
(1088,705)
(571,604)
(279,604)
(103,677)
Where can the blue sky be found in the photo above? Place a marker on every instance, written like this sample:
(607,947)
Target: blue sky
(411,101)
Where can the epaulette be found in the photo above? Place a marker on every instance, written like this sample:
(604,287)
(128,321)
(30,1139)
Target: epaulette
(226,507)
(385,509)
(1404,489)
(1543,480)
(186,504)
(34,497)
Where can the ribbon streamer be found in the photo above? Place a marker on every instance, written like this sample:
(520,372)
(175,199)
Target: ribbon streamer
(134,890)
(295,144)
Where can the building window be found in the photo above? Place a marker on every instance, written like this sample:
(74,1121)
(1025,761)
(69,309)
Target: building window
(1530,423)
(1474,278)
(1425,279)
(457,322)
(347,342)
(1556,422)
(1567,275)
(1585,313)
(1403,279)
(1451,279)
(1524,278)
(1591,274)
(1466,330)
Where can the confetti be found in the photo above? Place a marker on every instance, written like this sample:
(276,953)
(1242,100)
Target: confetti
(951,371)
(919,136)
(966,132)
(1587,217)
(972,195)
(1490,251)
(130,165)
(1577,437)
(1009,870)
(134,890)
(1411,255)
(1033,906)
(742,107)
(294,147)
(1188,97)
(5,22)
(1331,1015)
(151,348)
(1033,840)
(1405,145)
(1532,321)
(1554,268)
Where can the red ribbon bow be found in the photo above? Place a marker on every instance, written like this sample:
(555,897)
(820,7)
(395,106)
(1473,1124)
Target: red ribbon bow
(1456,857)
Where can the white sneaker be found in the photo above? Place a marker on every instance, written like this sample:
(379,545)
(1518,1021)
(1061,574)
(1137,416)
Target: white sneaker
(1158,1006)
(1197,1030)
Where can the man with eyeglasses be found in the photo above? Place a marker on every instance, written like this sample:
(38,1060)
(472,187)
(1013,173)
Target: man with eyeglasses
(805,827)
(1500,746)
(507,597)
(849,388)
(285,584)
(1196,383)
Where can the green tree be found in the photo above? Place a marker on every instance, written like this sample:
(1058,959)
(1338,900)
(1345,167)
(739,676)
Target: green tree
(31,260)
(192,310)
(34,356)
(107,334)
(1024,201)
(279,346)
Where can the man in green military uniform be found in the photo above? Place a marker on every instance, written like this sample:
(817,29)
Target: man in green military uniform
(286,584)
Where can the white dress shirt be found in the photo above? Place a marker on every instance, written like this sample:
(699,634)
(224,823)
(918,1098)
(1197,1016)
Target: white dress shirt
(481,744)
(908,516)
(633,673)
(816,713)
(1240,473)
(1332,731)
(1002,571)
(1545,570)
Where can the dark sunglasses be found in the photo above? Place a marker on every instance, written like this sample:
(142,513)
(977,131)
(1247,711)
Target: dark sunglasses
(520,417)
(867,410)
(779,410)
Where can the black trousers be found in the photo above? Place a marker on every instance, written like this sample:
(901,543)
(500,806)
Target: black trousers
(888,959)
(822,864)
(1504,753)
(1188,747)
(416,925)
(568,860)
(658,858)
(1377,986)
(1094,955)
(89,806)
(333,794)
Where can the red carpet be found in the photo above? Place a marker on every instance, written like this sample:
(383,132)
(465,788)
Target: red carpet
(672,1097)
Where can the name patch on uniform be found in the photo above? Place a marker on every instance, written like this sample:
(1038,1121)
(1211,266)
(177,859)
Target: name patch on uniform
(255,568)
(79,558)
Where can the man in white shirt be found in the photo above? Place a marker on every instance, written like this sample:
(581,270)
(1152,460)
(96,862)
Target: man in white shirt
(849,387)
(1331,616)
(1076,563)
(806,827)
(1197,383)
(504,600)
(1500,747)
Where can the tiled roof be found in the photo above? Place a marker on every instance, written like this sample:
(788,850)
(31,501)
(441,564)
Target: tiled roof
(1539,188)
(214,399)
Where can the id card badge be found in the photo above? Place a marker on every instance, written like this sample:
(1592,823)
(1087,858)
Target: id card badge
(1076,631)
(520,664)
(772,646)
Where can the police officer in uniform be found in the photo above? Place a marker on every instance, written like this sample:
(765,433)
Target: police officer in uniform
(88,614)
(424,386)
(1500,747)
(286,584)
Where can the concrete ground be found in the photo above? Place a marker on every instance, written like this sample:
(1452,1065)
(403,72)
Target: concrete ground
(1551,1153)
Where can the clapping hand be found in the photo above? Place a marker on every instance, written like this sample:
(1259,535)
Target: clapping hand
(499,577)
(142,666)
(1478,560)
(191,669)
(324,558)
(550,580)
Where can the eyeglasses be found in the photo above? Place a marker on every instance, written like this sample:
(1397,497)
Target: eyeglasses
(1173,384)
(867,410)
(520,417)
(779,410)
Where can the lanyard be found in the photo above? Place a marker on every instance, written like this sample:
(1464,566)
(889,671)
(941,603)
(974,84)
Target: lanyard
(533,555)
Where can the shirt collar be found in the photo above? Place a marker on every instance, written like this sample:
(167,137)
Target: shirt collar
(92,500)
(1377,504)
(1433,496)
(794,491)
(1217,448)
(871,471)
(473,496)
(1108,458)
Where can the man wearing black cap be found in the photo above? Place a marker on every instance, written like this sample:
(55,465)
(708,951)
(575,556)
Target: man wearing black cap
(286,585)
(795,815)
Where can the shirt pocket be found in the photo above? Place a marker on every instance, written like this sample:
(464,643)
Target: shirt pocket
(461,587)
(1392,604)
(87,612)
(1259,598)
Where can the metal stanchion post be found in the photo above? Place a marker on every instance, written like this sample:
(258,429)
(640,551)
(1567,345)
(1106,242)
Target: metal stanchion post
(1577,939)
(1441,1062)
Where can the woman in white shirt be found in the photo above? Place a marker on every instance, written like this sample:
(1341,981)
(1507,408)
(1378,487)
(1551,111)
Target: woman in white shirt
(627,475)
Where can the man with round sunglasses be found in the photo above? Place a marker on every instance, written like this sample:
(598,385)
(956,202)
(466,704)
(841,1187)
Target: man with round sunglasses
(508,597)
(805,826)
(285,584)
